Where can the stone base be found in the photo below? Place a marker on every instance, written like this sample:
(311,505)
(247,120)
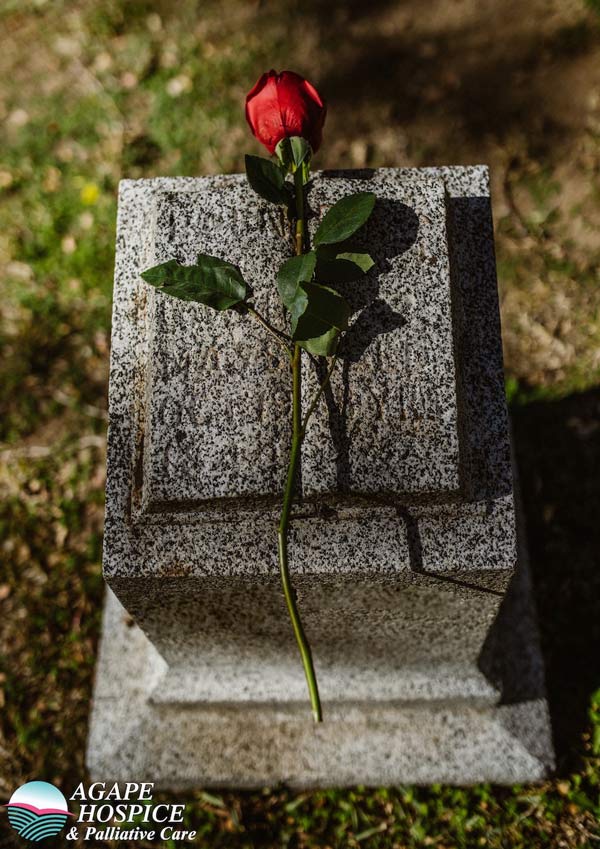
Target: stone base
(239,743)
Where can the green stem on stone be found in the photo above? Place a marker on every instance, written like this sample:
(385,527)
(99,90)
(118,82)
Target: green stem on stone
(288,591)
(318,394)
(297,437)
(276,334)
(300,226)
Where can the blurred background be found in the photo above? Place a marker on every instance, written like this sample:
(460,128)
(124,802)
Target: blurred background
(95,90)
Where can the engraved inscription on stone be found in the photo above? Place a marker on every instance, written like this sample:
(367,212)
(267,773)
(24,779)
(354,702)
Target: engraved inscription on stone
(217,422)
(390,421)
(217,387)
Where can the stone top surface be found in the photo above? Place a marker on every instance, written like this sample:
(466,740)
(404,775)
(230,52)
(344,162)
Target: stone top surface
(154,529)
(217,394)
(218,390)
(389,425)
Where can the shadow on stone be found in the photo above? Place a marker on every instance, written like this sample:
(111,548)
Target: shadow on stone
(415,554)
(349,173)
(392,229)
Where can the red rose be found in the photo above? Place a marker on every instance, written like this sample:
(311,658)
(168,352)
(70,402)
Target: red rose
(283,105)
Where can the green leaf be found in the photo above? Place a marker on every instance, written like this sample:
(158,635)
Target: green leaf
(344,218)
(292,152)
(325,315)
(596,740)
(212,282)
(322,346)
(298,269)
(363,261)
(342,267)
(305,171)
(267,179)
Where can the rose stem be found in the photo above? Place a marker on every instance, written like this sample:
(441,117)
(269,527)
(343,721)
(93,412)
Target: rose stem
(280,337)
(297,436)
(320,391)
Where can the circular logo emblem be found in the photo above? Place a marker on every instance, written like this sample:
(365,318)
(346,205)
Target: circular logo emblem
(37,810)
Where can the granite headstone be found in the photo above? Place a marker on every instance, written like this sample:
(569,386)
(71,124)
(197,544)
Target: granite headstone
(405,553)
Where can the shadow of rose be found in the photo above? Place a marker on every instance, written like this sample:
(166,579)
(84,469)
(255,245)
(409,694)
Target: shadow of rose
(391,231)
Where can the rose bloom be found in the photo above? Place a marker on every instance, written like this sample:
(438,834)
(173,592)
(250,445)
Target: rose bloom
(284,105)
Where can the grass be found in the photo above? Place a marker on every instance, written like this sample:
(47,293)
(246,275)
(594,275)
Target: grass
(91,92)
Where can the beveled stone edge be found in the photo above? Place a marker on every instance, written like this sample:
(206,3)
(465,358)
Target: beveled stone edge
(205,511)
(127,550)
(124,731)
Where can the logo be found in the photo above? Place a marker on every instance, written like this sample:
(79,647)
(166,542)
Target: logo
(37,810)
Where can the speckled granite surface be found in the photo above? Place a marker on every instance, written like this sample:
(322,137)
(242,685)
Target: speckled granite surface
(217,393)
(408,591)
(247,739)
(389,425)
